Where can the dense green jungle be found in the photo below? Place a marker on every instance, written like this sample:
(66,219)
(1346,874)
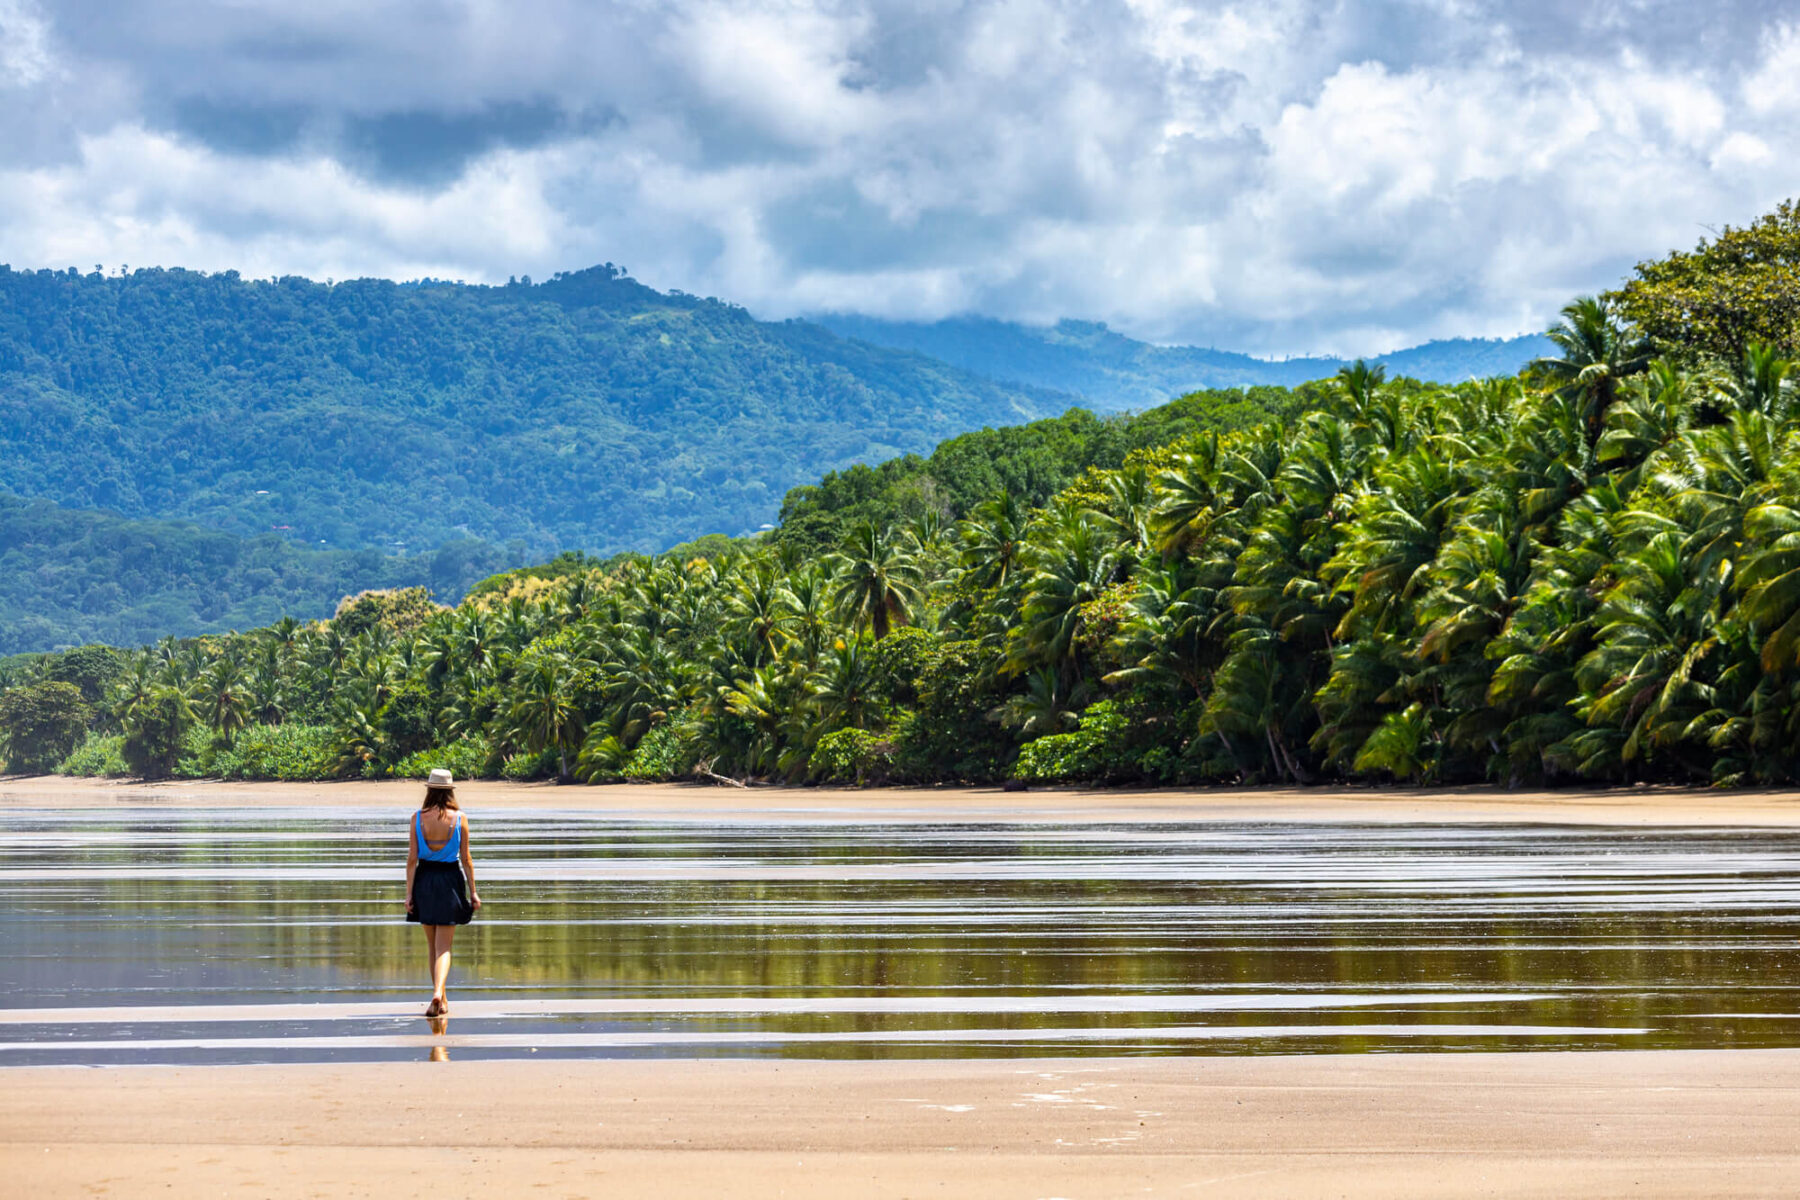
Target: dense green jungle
(1589,572)
(184,453)
(584,410)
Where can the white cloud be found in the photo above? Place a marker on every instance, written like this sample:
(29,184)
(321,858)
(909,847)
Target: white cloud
(25,57)
(1286,176)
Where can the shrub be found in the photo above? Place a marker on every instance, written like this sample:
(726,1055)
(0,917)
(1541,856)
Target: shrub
(950,736)
(1114,743)
(290,751)
(41,724)
(851,756)
(526,765)
(98,756)
(898,660)
(663,753)
(465,758)
(90,668)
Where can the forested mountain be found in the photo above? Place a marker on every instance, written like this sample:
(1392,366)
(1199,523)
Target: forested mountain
(68,577)
(1115,372)
(1586,572)
(589,411)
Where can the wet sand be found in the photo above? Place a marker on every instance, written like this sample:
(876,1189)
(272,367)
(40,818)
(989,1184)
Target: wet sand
(1701,1123)
(1622,806)
(1645,1123)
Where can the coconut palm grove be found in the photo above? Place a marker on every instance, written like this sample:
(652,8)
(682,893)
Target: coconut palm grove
(1588,572)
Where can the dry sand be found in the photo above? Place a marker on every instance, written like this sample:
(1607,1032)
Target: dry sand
(1623,806)
(1662,1123)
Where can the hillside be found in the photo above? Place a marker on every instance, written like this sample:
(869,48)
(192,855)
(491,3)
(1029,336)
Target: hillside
(589,411)
(1115,372)
(68,577)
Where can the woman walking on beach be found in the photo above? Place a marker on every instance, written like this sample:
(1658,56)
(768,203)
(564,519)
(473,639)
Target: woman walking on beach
(440,879)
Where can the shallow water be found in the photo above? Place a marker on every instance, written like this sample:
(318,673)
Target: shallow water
(224,935)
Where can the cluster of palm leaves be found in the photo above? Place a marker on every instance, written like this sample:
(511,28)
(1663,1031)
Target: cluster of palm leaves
(1589,571)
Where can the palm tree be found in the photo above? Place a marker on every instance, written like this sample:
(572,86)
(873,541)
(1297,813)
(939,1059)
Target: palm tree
(1071,567)
(877,581)
(1598,353)
(844,689)
(227,698)
(543,715)
(1047,705)
(993,537)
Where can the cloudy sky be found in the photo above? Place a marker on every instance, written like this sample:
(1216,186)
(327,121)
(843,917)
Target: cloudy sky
(1276,176)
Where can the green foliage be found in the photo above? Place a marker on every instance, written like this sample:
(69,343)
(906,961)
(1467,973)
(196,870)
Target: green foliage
(851,756)
(70,577)
(1590,572)
(397,610)
(1739,288)
(588,411)
(952,734)
(408,720)
(1122,740)
(287,751)
(40,724)
(1029,463)
(92,669)
(100,755)
(526,766)
(1115,372)
(663,753)
(466,758)
(898,662)
(156,730)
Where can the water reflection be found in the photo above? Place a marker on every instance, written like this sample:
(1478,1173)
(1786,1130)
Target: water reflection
(439,1027)
(126,939)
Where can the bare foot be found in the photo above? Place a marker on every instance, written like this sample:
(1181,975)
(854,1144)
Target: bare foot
(437,1007)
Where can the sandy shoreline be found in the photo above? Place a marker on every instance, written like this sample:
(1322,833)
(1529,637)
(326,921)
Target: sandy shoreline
(1665,1123)
(1624,806)
(1645,1123)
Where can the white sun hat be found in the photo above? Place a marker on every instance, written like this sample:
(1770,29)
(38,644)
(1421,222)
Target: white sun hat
(439,778)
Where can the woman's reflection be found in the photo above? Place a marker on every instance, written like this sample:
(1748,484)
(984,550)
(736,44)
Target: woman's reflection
(439,1027)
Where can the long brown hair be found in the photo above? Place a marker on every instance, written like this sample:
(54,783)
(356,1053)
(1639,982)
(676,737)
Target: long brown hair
(440,797)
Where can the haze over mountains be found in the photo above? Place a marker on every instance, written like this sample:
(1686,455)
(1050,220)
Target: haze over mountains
(1114,372)
(199,452)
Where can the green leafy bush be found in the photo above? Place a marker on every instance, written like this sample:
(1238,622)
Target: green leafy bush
(852,756)
(663,753)
(525,766)
(40,724)
(99,756)
(950,736)
(288,751)
(465,758)
(156,734)
(1117,741)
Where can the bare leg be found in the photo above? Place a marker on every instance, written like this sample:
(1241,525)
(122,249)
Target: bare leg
(440,962)
(430,932)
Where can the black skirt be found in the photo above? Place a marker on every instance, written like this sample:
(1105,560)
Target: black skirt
(440,897)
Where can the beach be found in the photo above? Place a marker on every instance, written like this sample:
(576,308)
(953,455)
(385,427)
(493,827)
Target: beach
(1648,806)
(1602,1124)
(1652,1122)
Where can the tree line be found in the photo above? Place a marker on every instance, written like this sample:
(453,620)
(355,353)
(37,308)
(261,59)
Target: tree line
(1588,572)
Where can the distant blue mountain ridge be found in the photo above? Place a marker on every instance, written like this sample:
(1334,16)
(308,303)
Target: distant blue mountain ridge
(1114,372)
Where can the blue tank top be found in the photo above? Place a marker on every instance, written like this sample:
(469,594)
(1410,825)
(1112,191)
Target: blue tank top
(448,852)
